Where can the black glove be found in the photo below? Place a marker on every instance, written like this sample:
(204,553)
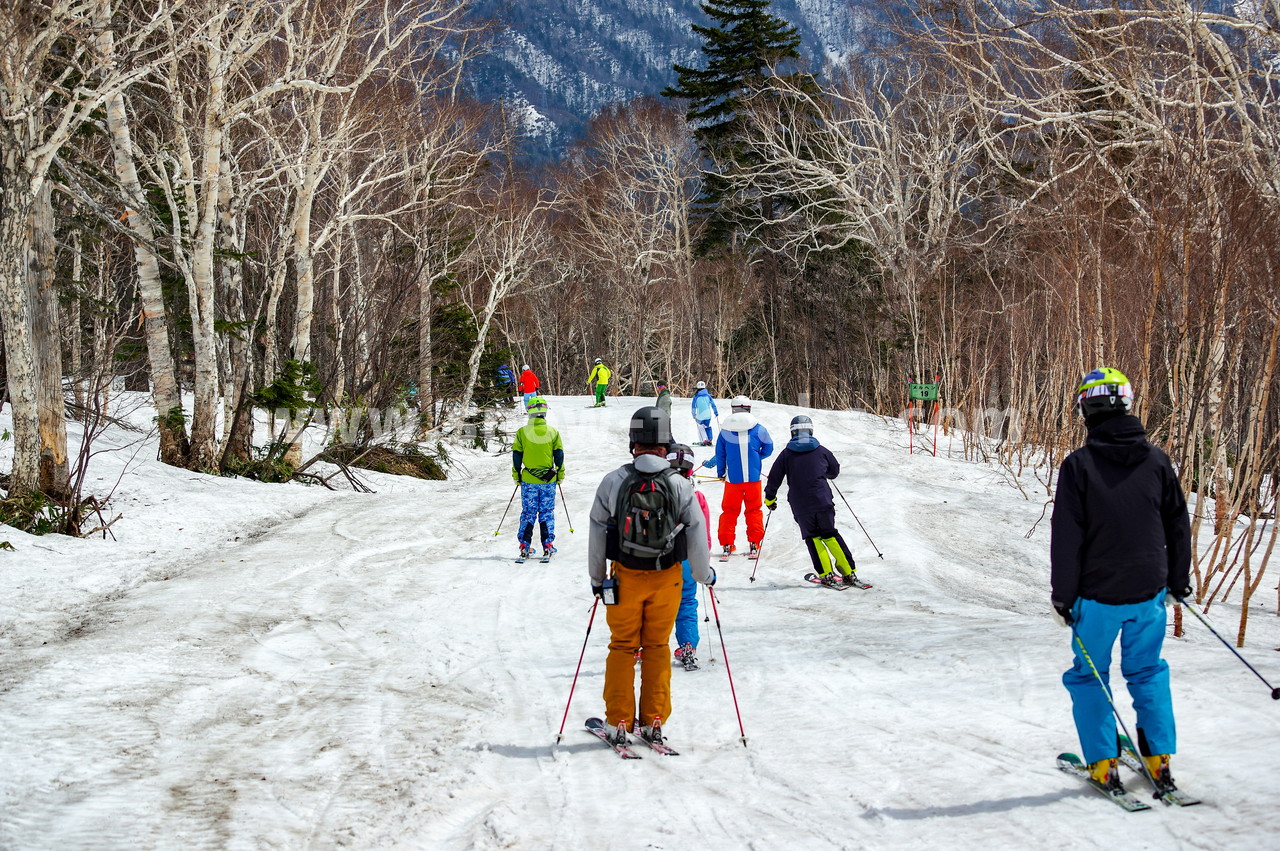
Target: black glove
(770,502)
(712,583)
(598,590)
(1176,597)
(1062,614)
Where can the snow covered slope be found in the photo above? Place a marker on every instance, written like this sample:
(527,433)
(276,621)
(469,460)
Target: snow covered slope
(265,666)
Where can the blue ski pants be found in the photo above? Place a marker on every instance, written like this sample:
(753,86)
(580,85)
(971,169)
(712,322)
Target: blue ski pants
(687,617)
(537,505)
(704,430)
(1140,627)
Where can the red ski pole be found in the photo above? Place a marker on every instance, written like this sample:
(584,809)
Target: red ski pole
(716,611)
(574,684)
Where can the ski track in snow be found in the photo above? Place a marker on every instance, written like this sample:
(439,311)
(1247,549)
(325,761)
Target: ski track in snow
(373,671)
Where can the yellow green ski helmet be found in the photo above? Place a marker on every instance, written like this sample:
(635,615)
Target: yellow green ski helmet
(1104,390)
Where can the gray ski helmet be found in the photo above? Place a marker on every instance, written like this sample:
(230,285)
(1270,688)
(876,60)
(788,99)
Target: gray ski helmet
(681,458)
(801,424)
(650,426)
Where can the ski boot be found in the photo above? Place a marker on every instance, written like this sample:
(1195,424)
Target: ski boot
(1158,765)
(687,658)
(548,551)
(1106,773)
(618,736)
(653,732)
(754,551)
(525,551)
(829,580)
(850,579)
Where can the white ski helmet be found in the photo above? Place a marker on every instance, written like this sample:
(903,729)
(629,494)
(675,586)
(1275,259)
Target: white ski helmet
(599,361)
(740,403)
(701,385)
(525,367)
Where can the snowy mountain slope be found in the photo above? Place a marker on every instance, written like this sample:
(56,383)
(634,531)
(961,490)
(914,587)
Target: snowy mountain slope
(372,671)
(559,62)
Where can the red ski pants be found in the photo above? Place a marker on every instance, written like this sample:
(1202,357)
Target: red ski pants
(736,496)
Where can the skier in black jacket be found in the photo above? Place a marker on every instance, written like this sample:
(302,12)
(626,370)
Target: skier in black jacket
(1121,543)
(807,465)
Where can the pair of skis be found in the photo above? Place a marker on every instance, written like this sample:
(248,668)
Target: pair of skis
(817,580)
(752,555)
(1173,796)
(601,731)
(544,559)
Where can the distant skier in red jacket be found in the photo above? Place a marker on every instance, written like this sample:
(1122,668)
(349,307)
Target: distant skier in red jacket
(529,384)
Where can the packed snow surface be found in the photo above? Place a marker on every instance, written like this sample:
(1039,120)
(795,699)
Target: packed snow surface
(278,666)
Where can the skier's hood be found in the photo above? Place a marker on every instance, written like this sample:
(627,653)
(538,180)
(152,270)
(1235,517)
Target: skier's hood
(739,422)
(651,463)
(803,443)
(1121,440)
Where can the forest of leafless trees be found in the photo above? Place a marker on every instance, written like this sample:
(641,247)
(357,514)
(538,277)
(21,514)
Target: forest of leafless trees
(215,201)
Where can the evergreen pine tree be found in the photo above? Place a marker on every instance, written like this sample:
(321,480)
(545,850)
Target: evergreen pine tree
(742,49)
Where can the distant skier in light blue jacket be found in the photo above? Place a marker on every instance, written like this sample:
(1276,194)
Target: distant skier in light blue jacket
(704,408)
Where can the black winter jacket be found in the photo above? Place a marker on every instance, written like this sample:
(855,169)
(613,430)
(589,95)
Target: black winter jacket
(1120,527)
(806,465)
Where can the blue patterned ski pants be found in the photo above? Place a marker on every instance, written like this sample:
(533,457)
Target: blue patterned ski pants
(537,505)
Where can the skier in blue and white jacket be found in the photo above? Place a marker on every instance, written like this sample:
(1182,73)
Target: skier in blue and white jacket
(741,448)
(704,408)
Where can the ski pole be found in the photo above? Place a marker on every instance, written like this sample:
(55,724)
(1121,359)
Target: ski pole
(855,517)
(1275,692)
(565,503)
(508,508)
(716,609)
(706,618)
(1107,691)
(761,548)
(581,656)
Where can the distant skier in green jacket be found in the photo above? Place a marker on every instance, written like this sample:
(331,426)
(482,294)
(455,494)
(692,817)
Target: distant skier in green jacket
(664,397)
(537,460)
(599,381)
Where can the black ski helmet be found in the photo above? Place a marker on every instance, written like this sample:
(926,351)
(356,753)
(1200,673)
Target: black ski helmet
(800,424)
(681,458)
(650,426)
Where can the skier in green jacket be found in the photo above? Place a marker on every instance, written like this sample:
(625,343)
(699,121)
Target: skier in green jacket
(599,381)
(537,459)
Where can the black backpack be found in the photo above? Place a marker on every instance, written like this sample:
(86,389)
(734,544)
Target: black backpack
(648,520)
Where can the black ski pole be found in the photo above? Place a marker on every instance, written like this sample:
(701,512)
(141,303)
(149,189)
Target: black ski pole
(581,656)
(855,517)
(1275,692)
(760,549)
(1106,691)
(723,653)
(508,508)
(565,503)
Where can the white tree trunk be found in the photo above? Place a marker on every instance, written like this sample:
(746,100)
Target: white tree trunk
(17,301)
(165,391)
